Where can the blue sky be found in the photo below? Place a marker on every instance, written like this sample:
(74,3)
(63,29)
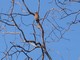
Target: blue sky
(65,49)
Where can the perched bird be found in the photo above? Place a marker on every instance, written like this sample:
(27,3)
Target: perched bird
(36,16)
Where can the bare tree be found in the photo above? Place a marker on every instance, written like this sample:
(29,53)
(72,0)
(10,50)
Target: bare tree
(35,34)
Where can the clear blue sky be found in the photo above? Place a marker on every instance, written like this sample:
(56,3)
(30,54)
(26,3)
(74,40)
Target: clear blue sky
(62,50)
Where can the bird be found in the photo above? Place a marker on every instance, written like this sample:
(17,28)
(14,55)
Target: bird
(36,16)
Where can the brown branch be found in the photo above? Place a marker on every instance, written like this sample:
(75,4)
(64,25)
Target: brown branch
(71,14)
(12,8)
(27,8)
(19,28)
(38,6)
(34,34)
(43,41)
(7,23)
